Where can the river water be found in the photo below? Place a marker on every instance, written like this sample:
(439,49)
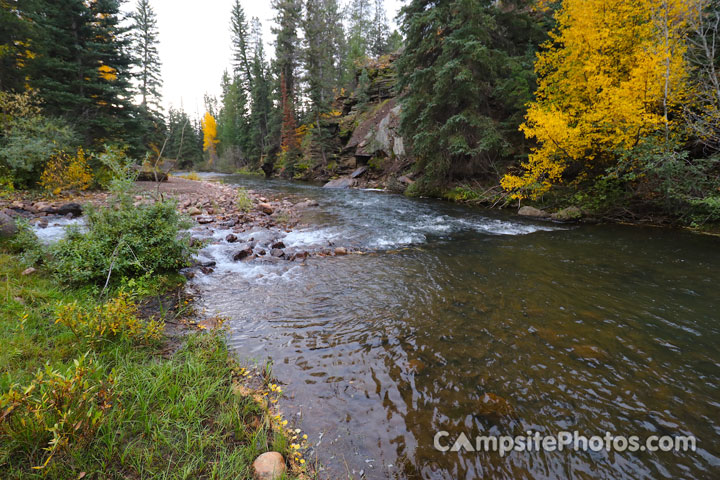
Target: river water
(472,321)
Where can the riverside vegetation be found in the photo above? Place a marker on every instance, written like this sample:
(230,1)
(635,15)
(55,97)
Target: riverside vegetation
(104,372)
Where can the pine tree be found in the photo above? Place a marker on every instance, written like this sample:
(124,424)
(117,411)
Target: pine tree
(379,31)
(145,48)
(359,26)
(241,54)
(260,96)
(82,68)
(15,45)
(183,144)
(286,61)
(467,73)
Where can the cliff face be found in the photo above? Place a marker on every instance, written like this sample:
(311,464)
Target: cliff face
(367,149)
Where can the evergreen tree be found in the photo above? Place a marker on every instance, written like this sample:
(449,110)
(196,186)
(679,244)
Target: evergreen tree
(379,31)
(241,55)
(359,26)
(15,45)
(145,42)
(184,144)
(467,71)
(319,59)
(82,68)
(232,121)
(286,56)
(148,76)
(260,96)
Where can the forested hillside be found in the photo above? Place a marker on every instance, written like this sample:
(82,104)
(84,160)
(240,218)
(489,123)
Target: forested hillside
(612,107)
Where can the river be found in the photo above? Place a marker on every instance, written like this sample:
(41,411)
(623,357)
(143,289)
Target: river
(473,321)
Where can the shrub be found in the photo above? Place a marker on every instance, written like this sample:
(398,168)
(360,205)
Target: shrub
(28,139)
(117,318)
(56,410)
(244,202)
(25,244)
(66,172)
(123,240)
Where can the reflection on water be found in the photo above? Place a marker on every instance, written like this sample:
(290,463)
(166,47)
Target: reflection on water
(592,328)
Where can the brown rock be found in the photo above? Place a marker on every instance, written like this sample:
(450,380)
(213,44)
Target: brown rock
(202,220)
(266,208)
(231,238)
(278,245)
(341,251)
(533,212)
(193,211)
(492,405)
(269,466)
(243,253)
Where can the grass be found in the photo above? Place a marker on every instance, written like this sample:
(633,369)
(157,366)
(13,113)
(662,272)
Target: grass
(170,415)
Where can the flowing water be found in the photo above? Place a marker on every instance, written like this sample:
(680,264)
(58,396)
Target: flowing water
(471,321)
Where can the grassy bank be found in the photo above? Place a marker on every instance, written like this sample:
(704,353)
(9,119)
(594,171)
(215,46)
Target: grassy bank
(77,403)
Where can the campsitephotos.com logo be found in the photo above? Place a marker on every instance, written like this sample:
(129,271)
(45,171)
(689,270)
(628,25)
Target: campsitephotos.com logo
(536,442)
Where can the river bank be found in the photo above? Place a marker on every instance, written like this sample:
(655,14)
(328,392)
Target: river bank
(174,402)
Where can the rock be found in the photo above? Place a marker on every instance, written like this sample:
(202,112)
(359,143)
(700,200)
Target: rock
(406,180)
(203,220)
(207,270)
(28,271)
(266,208)
(231,238)
(307,204)
(340,183)
(277,253)
(74,209)
(42,223)
(269,466)
(533,212)
(416,366)
(358,172)
(193,211)
(208,264)
(7,226)
(341,251)
(243,253)
(492,405)
(568,214)
(278,245)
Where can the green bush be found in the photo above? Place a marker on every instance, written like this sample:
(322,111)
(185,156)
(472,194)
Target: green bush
(25,244)
(128,240)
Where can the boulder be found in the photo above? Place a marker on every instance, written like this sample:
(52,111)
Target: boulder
(569,214)
(269,466)
(340,183)
(533,212)
(280,245)
(358,172)
(7,226)
(307,204)
(277,253)
(74,209)
(243,253)
(266,208)
(406,180)
(340,251)
(231,238)
(203,220)
(193,211)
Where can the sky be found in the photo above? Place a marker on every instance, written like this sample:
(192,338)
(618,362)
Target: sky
(195,45)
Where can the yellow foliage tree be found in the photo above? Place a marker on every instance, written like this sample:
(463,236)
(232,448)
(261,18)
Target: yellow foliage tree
(67,172)
(612,73)
(210,140)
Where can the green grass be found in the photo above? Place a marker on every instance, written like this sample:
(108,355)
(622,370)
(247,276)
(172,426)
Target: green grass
(173,416)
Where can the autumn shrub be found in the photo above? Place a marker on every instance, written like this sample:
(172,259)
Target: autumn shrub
(65,172)
(116,319)
(28,139)
(57,411)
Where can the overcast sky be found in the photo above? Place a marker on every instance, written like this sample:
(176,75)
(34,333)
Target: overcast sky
(195,44)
